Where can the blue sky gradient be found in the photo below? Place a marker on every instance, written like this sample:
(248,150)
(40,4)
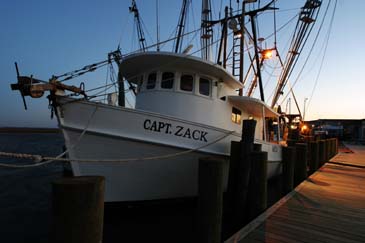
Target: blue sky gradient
(49,37)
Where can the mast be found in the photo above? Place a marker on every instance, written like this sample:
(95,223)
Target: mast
(223,41)
(157,28)
(242,43)
(181,25)
(142,41)
(206,31)
(258,66)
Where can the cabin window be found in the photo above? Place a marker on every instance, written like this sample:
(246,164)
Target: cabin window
(236,115)
(151,81)
(187,82)
(167,80)
(204,86)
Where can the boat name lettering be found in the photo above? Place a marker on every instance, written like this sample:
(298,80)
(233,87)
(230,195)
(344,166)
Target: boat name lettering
(179,131)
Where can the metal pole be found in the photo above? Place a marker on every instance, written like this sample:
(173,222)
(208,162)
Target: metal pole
(258,71)
(305,100)
(225,40)
(242,44)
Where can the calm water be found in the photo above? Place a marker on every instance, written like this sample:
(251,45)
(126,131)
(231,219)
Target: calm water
(25,194)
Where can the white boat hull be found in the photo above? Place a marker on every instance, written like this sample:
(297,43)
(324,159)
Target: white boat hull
(99,132)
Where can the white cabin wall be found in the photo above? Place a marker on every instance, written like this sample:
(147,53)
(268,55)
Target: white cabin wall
(225,90)
(259,128)
(189,107)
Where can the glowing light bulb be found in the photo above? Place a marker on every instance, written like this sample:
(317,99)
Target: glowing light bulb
(267,54)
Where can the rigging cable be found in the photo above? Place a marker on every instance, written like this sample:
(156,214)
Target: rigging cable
(126,23)
(300,37)
(310,52)
(48,160)
(106,82)
(324,54)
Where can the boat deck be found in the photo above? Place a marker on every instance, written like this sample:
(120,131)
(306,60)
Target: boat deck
(328,207)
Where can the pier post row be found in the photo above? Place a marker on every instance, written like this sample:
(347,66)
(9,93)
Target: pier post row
(322,156)
(314,155)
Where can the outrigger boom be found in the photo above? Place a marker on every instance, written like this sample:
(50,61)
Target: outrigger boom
(35,88)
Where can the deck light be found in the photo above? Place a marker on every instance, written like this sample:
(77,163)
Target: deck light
(266,54)
(237,34)
(304,128)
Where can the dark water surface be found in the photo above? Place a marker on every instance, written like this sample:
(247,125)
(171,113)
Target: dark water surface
(25,194)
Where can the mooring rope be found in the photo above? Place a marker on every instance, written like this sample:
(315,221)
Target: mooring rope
(58,158)
(39,158)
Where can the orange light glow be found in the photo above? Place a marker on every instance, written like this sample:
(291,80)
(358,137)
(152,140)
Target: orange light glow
(304,128)
(267,54)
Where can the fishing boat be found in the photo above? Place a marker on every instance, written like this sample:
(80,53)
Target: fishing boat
(186,107)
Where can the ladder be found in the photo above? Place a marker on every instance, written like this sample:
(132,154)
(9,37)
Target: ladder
(236,51)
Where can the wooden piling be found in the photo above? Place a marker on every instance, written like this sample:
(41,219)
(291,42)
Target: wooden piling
(300,168)
(321,154)
(257,147)
(210,201)
(334,141)
(328,155)
(235,158)
(332,148)
(329,148)
(78,209)
(257,201)
(288,160)
(314,157)
(243,172)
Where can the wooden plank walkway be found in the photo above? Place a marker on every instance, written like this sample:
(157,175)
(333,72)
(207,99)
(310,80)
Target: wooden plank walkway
(328,207)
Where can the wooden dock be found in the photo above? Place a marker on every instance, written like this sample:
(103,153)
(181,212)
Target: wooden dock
(328,207)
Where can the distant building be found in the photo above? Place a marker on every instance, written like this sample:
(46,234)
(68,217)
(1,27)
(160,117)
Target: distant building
(344,129)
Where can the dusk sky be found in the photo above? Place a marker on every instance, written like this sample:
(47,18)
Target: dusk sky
(48,37)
